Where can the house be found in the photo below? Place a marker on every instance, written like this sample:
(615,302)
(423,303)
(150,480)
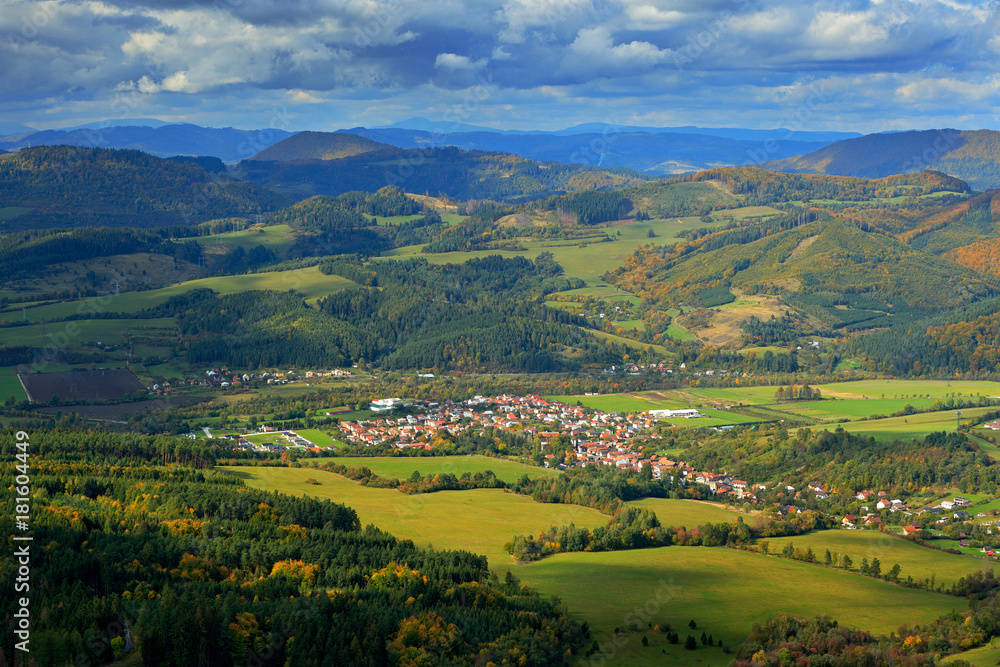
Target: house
(947,504)
(883,504)
(960,501)
(849,520)
(910,530)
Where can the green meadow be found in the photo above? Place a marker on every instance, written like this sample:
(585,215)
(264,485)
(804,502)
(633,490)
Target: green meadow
(588,260)
(724,591)
(481,520)
(911,425)
(914,560)
(277,238)
(307,281)
(690,513)
(401,467)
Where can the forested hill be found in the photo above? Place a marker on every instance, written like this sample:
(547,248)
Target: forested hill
(321,146)
(140,537)
(66,186)
(972,155)
(447,172)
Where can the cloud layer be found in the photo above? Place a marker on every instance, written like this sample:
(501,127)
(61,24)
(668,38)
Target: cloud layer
(324,64)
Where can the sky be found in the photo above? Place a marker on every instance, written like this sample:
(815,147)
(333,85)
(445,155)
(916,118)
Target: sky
(849,65)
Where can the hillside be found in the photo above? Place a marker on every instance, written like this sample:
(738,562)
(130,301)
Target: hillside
(450,172)
(319,146)
(66,186)
(825,268)
(225,143)
(973,156)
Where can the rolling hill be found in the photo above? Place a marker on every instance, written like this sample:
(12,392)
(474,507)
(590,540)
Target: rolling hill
(972,155)
(225,143)
(65,186)
(320,146)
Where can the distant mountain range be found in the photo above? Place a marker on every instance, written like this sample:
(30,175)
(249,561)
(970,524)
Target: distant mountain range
(653,150)
(226,143)
(972,155)
(660,152)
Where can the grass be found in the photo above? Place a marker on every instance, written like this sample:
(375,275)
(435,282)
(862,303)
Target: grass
(10,385)
(984,656)
(587,261)
(308,281)
(914,560)
(480,520)
(629,343)
(911,426)
(8,212)
(634,402)
(277,238)
(401,467)
(76,332)
(689,513)
(318,437)
(723,591)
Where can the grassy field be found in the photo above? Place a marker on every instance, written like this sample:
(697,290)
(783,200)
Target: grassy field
(308,281)
(277,238)
(911,426)
(10,385)
(586,261)
(723,591)
(318,437)
(401,467)
(632,402)
(76,332)
(914,560)
(628,342)
(984,656)
(8,212)
(689,513)
(481,520)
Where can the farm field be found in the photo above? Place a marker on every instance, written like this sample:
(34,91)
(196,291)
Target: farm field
(10,385)
(76,332)
(914,560)
(689,513)
(723,591)
(632,402)
(481,520)
(912,425)
(318,437)
(628,342)
(401,467)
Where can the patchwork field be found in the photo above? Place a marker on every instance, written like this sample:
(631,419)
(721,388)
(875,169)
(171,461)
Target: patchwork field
(724,591)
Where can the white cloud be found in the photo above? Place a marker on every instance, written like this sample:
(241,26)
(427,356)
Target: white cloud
(454,62)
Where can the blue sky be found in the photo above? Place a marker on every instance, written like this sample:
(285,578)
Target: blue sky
(511,64)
